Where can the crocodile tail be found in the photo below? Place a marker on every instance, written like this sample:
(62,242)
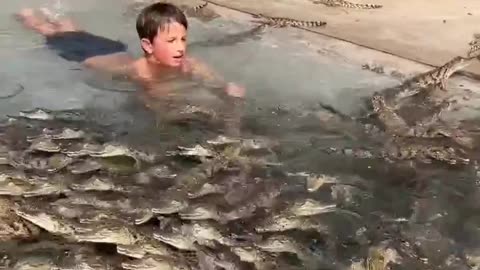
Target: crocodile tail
(316,23)
(474,50)
(359,6)
(198,7)
(308,23)
(369,6)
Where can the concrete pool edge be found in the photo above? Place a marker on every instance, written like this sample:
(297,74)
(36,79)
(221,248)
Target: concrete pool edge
(429,55)
(353,53)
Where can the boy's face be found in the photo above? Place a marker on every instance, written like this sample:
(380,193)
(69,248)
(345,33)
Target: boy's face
(168,46)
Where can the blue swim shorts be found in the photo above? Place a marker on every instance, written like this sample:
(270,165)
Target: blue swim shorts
(80,45)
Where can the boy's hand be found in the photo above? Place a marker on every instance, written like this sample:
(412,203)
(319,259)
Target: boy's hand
(235,90)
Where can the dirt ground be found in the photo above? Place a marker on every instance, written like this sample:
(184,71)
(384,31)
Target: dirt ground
(429,32)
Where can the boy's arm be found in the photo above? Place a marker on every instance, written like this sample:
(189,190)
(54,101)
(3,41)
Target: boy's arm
(217,84)
(231,93)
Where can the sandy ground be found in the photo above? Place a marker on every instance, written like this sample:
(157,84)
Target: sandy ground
(429,32)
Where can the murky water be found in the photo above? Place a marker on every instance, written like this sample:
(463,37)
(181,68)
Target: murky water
(433,208)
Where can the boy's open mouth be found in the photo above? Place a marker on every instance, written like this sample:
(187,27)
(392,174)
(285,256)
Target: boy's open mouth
(178,56)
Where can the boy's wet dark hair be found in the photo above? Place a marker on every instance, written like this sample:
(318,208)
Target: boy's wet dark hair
(157,16)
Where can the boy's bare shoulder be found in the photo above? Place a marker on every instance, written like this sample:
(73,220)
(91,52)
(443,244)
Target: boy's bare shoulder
(117,63)
(199,68)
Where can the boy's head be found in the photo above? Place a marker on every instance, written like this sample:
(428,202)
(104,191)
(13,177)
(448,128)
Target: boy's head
(162,29)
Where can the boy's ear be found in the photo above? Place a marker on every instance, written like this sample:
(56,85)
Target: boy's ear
(146,45)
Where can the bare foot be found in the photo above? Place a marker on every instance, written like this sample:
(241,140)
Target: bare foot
(25,13)
(62,25)
(44,22)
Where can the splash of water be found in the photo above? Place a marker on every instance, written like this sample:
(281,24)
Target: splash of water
(55,10)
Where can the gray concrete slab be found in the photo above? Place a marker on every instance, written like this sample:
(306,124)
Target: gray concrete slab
(420,30)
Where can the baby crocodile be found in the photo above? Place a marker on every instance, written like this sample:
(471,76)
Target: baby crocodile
(199,6)
(182,236)
(151,262)
(83,149)
(346,4)
(46,219)
(14,184)
(86,166)
(168,203)
(261,259)
(64,134)
(221,257)
(309,207)
(57,184)
(198,152)
(436,77)
(96,183)
(474,45)
(106,232)
(283,243)
(284,22)
(45,115)
(392,122)
(37,114)
(26,161)
(379,257)
(399,150)
(116,150)
(285,222)
(44,145)
(12,226)
(145,245)
(208,189)
(201,211)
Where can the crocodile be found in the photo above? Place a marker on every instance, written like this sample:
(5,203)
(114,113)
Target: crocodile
(310,207)
(280,22)
(380,257)
(155,262)
(474,44)
(63,134)
(118,150)
(42,114)
(405,150)
(134,8)
(44,145)
(182,236)
(106,231)
(221,257)
(285,222)
(13,227)
(436,78)
(428,127)
(25,161)
(392,122)
(284,244)
(46,219)
(346,4)
(199,6)
(85,166)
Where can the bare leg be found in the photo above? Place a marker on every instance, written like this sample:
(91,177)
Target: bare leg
(40,22)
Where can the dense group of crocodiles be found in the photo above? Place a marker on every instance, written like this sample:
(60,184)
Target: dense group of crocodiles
(75,198)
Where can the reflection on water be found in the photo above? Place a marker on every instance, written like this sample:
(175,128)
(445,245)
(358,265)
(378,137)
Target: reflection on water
(293,201)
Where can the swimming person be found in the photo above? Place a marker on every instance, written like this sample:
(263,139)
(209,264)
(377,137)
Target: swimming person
(162,29)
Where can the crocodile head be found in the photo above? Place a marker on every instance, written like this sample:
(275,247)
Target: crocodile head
(474,50)
(44,145)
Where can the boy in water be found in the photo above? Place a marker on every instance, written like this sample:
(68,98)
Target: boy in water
(162,29)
